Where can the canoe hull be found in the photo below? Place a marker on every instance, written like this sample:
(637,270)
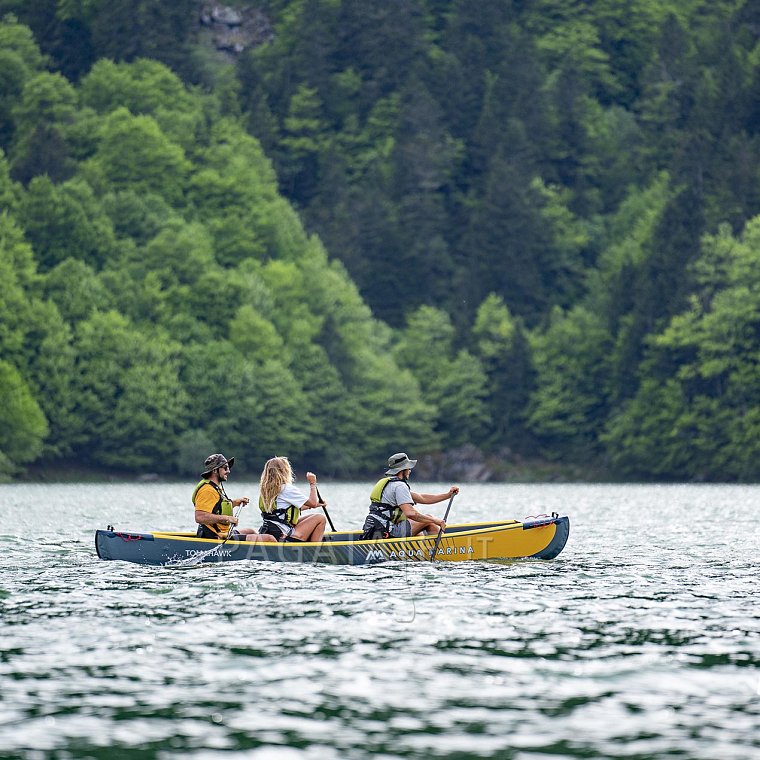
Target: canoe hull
(509,539)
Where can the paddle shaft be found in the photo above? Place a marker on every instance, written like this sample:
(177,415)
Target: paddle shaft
(232,527)
(440,532)
(324,507)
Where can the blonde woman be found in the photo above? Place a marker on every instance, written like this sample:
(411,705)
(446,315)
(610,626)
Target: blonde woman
(281,504)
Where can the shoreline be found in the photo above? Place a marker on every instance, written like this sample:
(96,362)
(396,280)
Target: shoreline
(437,469)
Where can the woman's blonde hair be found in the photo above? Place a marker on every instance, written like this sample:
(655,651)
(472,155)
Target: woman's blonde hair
(276,474)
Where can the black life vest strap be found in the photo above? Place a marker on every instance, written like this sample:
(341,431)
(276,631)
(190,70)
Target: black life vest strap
(278,515)
(217,510)
(380,509)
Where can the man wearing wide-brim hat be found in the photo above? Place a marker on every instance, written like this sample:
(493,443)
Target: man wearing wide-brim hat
(392,512)
(214,509)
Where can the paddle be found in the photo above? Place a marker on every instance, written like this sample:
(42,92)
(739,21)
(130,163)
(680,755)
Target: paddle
(229,532)
(440,532)
(196,559)
(324,507)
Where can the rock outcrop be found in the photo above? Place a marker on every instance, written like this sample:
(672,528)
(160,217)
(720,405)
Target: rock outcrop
(465,464)
(233,30)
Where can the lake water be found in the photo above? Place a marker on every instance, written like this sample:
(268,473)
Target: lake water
(641,640)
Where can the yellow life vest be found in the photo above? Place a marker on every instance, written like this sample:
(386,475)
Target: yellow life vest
(222,507)
(284,515)
(389,512)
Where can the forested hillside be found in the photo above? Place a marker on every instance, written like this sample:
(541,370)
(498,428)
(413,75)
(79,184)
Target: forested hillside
(416,224)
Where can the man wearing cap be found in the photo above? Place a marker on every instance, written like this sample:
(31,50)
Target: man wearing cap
(392,513)
(213,508)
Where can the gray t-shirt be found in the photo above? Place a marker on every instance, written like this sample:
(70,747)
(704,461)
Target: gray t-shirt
(397,492)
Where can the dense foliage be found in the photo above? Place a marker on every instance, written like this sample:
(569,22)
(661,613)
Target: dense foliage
(549,211)
(161,300)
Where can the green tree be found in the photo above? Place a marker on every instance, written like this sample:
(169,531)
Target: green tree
(695,414)
(504,244)
(144,87)
(76,290)
(254,335)
(20,58)
(333,424)
(130,403)
(34,339)
(149,88)
(255,408)
(66,221)
(61,28)
(454,382)
(501,344)
(569,403)
(8,189)
(46,108)
(124,30)
(301,144)
(137,216)
(133,153)
(22,424)
(425,160)
(20,280)
(193,446)
(18,38)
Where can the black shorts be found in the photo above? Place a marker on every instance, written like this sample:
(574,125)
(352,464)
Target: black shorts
(205,532)
(373,529)
(273,529)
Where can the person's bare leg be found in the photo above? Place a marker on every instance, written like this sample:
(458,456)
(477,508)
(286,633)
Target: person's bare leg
(261,538)
(311,528)
(418,527)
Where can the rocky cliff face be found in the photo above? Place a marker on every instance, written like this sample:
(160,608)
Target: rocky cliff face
(231,30)
(467,464)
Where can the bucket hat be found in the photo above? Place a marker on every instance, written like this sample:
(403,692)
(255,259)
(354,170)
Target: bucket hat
(215,461)
(399,462)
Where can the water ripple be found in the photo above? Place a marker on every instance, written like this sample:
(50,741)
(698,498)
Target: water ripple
(634,643)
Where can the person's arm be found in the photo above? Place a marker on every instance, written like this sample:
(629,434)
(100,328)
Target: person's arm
(202,517)
(434,498)
(313,500)
(412,514)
